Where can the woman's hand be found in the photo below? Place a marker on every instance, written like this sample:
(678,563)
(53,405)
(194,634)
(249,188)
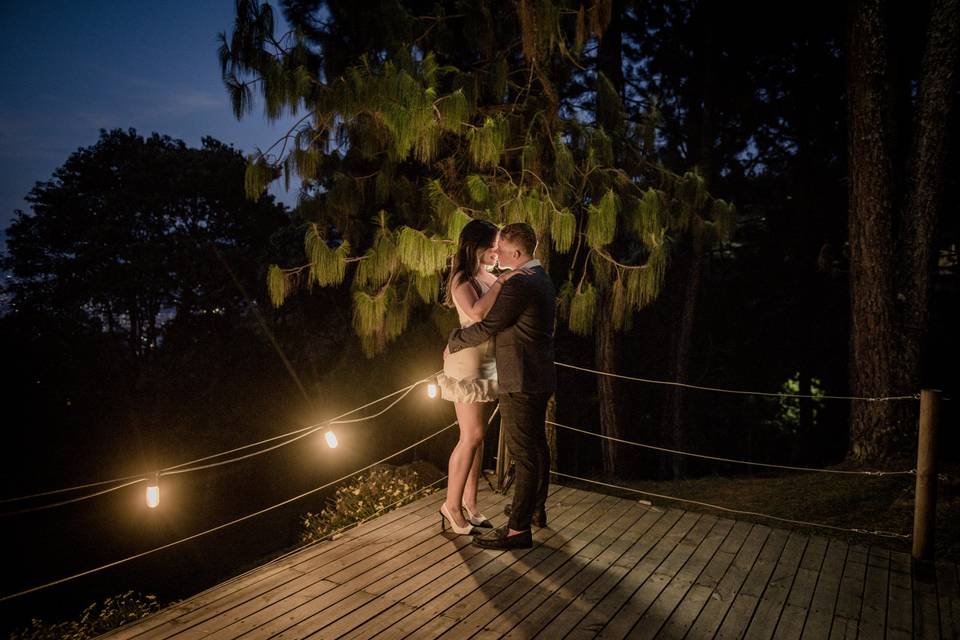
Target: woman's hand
(503,277)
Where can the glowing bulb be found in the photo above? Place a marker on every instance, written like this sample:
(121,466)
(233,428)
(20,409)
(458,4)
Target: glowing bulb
(153,492)
(331,439)
(432,390)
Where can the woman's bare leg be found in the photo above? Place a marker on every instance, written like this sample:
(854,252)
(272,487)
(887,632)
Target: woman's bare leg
(463,458)
(473,478)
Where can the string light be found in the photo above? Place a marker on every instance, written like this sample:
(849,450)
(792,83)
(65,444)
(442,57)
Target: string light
(153,491)
(331,439)
(432,388)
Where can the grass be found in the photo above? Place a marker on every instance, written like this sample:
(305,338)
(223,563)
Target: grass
(853,502)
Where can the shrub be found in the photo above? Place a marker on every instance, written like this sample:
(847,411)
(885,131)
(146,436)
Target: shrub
(378,491)
(98,618)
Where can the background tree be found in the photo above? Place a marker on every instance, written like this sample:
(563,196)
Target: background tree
(902,92)
(126,235)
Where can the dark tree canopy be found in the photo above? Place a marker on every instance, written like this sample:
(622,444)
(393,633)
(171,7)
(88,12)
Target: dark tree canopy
(126,233)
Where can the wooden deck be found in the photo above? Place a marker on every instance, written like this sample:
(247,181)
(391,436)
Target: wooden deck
(606,567)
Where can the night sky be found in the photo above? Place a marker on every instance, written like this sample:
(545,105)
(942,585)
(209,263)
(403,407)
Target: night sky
(72,68)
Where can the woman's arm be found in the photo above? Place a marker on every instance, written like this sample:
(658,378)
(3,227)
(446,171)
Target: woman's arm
(475,307)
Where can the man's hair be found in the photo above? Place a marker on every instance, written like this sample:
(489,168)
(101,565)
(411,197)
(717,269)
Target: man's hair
(522,235)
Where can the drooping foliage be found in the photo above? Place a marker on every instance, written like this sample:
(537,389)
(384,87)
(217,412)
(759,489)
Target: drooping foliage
(425,119)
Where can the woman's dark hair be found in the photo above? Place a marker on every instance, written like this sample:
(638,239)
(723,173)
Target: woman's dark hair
(477,236)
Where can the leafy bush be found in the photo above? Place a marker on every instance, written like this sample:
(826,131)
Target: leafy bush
(98,618)
(380,490)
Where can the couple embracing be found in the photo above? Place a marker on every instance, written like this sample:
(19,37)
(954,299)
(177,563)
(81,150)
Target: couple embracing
(503,351)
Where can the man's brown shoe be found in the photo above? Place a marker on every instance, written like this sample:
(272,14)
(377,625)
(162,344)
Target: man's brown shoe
(498,539)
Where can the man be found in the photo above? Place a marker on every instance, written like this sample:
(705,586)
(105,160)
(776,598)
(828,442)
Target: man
(521,324)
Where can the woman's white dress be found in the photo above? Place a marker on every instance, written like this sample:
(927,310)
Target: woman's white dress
(470,375)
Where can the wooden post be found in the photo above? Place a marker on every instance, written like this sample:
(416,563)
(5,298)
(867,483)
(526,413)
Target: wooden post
(925,500)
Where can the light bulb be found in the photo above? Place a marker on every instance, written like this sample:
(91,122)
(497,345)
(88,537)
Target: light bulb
(432,390)
(153,492)
(331,439)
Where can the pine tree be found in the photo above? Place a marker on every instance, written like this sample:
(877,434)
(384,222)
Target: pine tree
(476,113)
(398,149)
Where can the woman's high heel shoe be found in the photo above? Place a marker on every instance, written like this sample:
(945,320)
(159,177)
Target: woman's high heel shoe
(477,519)
(445,515)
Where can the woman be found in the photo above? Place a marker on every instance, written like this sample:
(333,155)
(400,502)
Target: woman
(469,377)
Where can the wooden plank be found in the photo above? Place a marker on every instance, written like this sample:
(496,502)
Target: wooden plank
(926,618)
(745,603)
(948,593)
(499,616)
(900,597)
(226,614)
(542,605)
(665,605)
(427,621)
(767,614)
(253,583)
(846,616)
(800,598)
(350,593)
(352,580)
(650,542)
(873,612)
(699,594)
(392,607)
(654,583)
(432,600)
(226,623)
(824,602)
(606,567)
(722,597)
(409,546)
(553,575)
(605,575)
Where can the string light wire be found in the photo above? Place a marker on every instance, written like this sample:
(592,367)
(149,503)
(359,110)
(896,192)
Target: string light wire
(71,500)
(179,468)
(224,525)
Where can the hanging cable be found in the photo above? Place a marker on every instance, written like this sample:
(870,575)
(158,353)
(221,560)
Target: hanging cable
(71,500)
(224,525)
(137,478)
(746,462)
(128,480)
(882,534)
(736,391)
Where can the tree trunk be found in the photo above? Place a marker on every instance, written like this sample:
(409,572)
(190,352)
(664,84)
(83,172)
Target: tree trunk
(674,421)
(926,181)
(701,135)
(870,236)
(887,340)
(606,355)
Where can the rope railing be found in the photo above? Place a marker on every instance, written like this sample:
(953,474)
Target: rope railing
(879,533)
(734,460)
(737,391)
(226,524)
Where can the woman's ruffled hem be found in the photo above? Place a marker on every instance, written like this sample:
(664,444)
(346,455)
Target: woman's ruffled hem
(475,390)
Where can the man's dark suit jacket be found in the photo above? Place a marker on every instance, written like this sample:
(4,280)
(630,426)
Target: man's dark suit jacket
(521,324)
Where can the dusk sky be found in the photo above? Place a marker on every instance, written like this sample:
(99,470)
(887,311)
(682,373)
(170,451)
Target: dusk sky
(73,68)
